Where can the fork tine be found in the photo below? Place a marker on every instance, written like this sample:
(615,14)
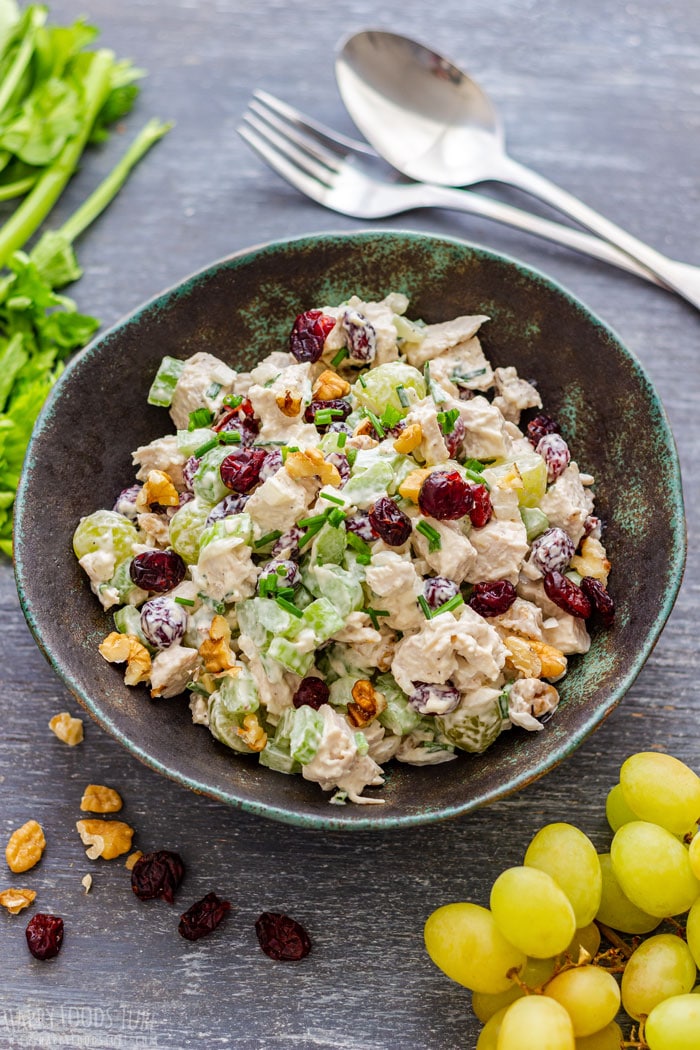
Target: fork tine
(285,144)
(288,170)
(305,140)
(333,140)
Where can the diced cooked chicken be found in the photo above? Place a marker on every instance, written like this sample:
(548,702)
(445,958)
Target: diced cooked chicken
(275,686)
(172,669)
(225,569)
(289,389)
(500,548)
(455,557)
(437,338)
(565,632)
(280,501)
(463,367)
(432,448)
(523,618)
(395,580)
(372,649)
(161,454)
(379,314)
(530,699)
(204,381)
(568,504)
(338,763)
(382,745)
(486,436)
(514,394)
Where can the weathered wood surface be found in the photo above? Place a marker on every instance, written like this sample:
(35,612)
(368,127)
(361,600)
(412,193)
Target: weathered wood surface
(602,98)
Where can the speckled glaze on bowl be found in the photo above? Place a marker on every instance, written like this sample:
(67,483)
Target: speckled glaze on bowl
(242,308)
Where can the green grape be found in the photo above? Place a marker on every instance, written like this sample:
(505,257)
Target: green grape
(105,530)
(186,528)
(378,387)
(488,1037)
(694,855)
(570,858)
(618,911)
(653,869)
(590,996)
(465,943)
(532,911)
(533,471)
(662,966)
(674,1024)
(588,938)
(662,790)
(536,1022)
(534,974)
(616,809)
(692,931)
(608,1038)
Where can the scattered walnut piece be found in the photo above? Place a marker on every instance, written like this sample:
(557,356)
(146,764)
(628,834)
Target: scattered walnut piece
(535,659)
(100,799)
(411,484)
(119,648)
(330,385)
(16,900)
(158,488)
(216,649)
(366,703)
(86,881)
(67,728)
(552,660)
(512,480)
(289,405)
(132,858)
(592,561)
(252,733)
(105,838)
(310,463)
(25,847)
(409,438)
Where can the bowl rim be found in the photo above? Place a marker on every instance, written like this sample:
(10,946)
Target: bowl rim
(381,819)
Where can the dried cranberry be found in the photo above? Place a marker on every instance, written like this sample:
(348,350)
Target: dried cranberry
(240,470)
(125,502)
(445,495)
(340,461)
(454,439)
(555,452)
(203,917)
(430,698)
(312,692)
(492,597)
(361,336)
(282,938)
(390,522)
(188,472)
(240,419)
(361,524)
(273,463)
(229,505)
(481,512)
(157,571)
(340,408)
(309,333)
(565,593)
(163,621)
(284,570)
(288,543)
(44,935)
(552,551)
(157,875)
(438,589)
(539,426)
(600,599)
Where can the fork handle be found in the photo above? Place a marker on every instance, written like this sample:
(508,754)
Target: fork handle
(425,195)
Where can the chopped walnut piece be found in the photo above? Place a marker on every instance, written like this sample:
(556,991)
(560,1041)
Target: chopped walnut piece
(411,484)
(592,561)
(67,728)
(158,488)
(310,463)
(252,733)
(366,703)
(289,405)
(329,386)
(534,659)
(513,480)
(86,882)
(409,438)
(105,838)
(16,900)
(100,799)
(364,429)
(552,660)
(216,649)
(118,648)
(132,858)
(25,847)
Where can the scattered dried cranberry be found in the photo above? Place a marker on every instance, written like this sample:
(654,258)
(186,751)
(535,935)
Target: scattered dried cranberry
(232,504)
(564,593)
(438,589)
(240,419)
(157,875)
(492,597)
(125,502)
(203,917)
(361,336)
(288,543)
(273,463)
(361,524)
(600,599)
(429,698)
(342,464)
(163,621)
(311,691)
(282,938)
(157,571)
(44,935)
(309,332)
(390,522)
(240,470)
(552,551)
(481,512)
(555,452)
(340,408)
(539,426)
(188,472)
(454,439)
(285,571)
(445,495)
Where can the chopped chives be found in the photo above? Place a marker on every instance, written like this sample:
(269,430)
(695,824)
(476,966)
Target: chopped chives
(466,376)
(374,615)
(201,417)
(358,544)
(332,499)
(431,534)
(269,537)
(281,570)
(315,520)
(342,438)
(184,601)
(374,420)
(475,465)
(403,396)
(425,607)
(364,559)
(448,606)
(195,687)
(271,380)
(335,517)
(206,447)
(310,533)
(340,356)
(233,400)
(213,390)
(390,417)
(352,456)
(286,449)
(447,420)
(288,607)
(285,592)
(324,417)
(474,476)
(362,381)
(229,437)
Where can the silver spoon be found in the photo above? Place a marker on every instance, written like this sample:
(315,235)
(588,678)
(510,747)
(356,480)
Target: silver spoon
(435,124)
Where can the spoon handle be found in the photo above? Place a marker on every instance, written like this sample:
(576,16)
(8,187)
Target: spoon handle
(681,277)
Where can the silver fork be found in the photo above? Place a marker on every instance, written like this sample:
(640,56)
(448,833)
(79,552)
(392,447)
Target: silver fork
(347,176)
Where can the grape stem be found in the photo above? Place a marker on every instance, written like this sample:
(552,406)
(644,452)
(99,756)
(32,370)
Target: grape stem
(615,939)
(638,1040)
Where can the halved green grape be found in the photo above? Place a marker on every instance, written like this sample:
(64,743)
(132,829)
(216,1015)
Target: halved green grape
(653,869)
(536,1022)
(186,528)
(590,996)
(674,1024)
(692,931)
(694,855)
(533,471)
(661,789)
(465,943)
(661,967)
(569,856)
(379,387)
(617,910)
(105,530)
(532,911)
(617,810)
(608,1038)
(488,1036)
(588,938)
(534,974)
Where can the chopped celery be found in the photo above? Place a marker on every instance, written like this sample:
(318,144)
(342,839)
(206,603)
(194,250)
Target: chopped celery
(366,486)
(207,483)
(398,716)
(188,441)
(379,388)
(228,706)
(535,522)
(165,381)
(239,525)
(306,734)
(186,527)
(127,620)
(329,545)
(288,654)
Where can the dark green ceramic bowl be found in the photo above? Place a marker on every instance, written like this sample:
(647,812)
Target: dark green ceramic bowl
(242,308)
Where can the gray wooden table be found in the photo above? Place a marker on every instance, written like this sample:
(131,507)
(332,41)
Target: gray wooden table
(604,99)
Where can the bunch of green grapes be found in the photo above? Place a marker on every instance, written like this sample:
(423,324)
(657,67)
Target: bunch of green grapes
(533,958)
